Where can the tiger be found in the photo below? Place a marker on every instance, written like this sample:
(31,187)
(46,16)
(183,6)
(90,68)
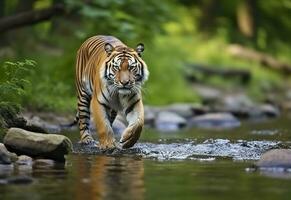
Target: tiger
(109,79)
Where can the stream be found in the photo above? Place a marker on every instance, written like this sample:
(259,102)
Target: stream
(188,164)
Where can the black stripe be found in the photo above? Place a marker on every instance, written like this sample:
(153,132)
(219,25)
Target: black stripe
(112,116)
(83,137)
(80,104)
(83,129)
(130,108)
(142,69)
(85,111)
(103,104)
(105,72)
(132,97)
(84,90)
(83,101)
(104,96)
(83,116)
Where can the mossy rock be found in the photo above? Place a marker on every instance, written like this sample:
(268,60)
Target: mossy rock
(38,145)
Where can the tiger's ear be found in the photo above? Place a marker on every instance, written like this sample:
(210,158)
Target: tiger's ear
(139,48)
(108,48)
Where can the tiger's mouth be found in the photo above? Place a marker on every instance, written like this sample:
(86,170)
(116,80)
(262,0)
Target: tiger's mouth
(124,90)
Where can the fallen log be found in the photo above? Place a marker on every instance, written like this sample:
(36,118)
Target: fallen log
(208,70)
(263,58)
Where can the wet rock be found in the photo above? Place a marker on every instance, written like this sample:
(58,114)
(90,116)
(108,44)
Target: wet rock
(276,158)
(6,157)
(239,105)
(6,169)
(149,115)
(36,124)
(44,163)
(51,122)
(208,94)
(168,121)
(186,110)
(20,180)
(37,145)
(9,117)
(215,120)
(24,160)
(237,101)
(269,110)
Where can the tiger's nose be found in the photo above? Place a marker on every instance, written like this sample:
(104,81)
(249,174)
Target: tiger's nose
(124,82)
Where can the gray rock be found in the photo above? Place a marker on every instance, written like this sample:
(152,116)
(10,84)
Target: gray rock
(186,110)
(24,160)
(269,110)
(239,105)
(215,120)
(6,170)
(20,180)
(168,121)
(238,100)
(275,158)
(208,94)
(6,157)
(36,124)
(149,115)
(37,145)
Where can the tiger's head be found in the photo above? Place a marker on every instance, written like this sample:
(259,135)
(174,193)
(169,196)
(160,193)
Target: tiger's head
(124,70)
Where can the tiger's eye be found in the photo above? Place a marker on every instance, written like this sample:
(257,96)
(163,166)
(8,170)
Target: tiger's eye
(132,66)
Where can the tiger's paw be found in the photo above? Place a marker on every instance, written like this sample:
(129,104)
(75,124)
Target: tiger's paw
(109,144)
(88,140)
(130,136)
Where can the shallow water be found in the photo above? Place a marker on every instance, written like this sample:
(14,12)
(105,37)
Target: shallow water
(190,164)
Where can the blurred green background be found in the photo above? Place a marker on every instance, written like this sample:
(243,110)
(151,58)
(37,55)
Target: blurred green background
(46,34)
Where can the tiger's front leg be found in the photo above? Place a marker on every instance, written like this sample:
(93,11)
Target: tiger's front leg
(135,119)
(103,125)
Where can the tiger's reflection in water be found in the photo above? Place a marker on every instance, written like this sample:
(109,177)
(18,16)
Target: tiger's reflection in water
(103,177)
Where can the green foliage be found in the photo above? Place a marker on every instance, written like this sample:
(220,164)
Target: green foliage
(13,82)
(126,19)
(13,85)
(166,82)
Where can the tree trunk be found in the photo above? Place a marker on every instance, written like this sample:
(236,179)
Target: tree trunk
(29,17)
(2,8)
(207,20)
(246,18)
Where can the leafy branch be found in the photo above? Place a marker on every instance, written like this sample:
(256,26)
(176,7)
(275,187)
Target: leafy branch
(13,81)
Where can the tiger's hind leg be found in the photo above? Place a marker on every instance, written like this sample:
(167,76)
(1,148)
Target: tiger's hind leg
(84,119)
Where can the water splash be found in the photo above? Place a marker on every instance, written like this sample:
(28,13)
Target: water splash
(208,150)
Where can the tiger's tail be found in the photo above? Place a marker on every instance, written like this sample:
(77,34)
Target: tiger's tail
(76,120)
